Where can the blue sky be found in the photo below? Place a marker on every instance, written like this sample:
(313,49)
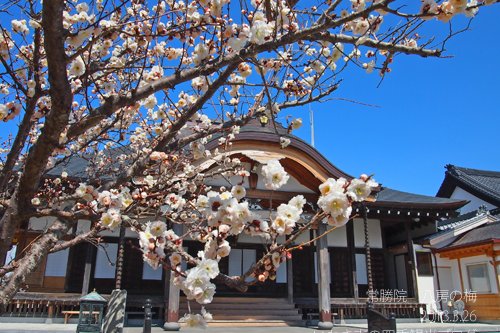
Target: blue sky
(432,112)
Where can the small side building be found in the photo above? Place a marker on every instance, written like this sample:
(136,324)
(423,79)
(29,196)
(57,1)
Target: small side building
(465,251)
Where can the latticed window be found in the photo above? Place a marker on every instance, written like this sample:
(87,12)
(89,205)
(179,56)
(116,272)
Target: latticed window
(424,264)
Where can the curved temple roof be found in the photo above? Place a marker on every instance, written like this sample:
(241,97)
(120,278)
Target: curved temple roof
(482,183)
(304,159)
(386,198)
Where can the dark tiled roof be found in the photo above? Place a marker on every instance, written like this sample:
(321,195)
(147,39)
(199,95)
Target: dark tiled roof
(484,233)
(484,183)
(389,196)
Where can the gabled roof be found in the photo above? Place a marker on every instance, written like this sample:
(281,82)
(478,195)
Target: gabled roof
(271,133)
(481,183)
(386,198)
(483,234)
(454,229)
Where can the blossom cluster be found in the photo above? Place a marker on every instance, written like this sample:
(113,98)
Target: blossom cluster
(337,196)
(196,284)
(447,9)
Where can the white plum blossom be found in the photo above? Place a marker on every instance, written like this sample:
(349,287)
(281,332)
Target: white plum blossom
(111,219)
(238,192)
(298,202)
(289,212)
(210,266)
(359,189)
(20,26)
(335,203)
(157,228)
(201,52)
(284,142)
(197,285)
(274,174)
(331,185)
(369,66)
(77,67)
(224,249)
(261,31)
(194,320)
(297,123)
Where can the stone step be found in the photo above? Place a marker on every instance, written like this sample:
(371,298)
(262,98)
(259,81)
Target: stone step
(252,310)
(245,300)
(239,306)
(258,317)
(234,312)
(253,323)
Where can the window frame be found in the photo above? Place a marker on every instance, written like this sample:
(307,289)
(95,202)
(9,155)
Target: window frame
(487,274)
(420,271)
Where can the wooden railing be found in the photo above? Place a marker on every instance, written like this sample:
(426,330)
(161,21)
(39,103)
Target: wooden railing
(40,307)
(358,310)
(51,305)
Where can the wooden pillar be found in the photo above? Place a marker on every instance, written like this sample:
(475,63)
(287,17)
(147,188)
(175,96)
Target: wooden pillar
(91,249)
(411,260)
(289,280)
(352,251)
(50,313)
(323,262)
(495,255)
(119,258)
(461,275)
(368,256)
(172,322)
(166,287)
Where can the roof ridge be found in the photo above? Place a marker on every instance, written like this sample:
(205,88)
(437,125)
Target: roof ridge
(470,179)
(468,171)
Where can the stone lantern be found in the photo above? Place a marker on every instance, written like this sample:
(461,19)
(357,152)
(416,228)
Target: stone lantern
(91,313)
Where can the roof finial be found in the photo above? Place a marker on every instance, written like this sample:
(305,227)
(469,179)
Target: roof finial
(482,210)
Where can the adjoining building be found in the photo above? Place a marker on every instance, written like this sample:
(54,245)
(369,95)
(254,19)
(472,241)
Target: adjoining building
(376,248)
(465,252)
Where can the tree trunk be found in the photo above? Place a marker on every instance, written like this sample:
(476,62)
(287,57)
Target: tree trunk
(33,257)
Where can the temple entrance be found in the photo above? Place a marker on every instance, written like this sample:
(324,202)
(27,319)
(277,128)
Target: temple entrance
(304,284)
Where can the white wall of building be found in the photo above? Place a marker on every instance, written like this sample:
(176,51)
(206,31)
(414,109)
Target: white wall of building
(374,232)
(292,185)
(426,285)
(475,202)
(338,237)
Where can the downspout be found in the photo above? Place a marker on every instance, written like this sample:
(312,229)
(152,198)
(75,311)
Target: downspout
(437,276)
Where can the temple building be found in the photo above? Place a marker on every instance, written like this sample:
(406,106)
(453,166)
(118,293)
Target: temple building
(378,250)
(465,251)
